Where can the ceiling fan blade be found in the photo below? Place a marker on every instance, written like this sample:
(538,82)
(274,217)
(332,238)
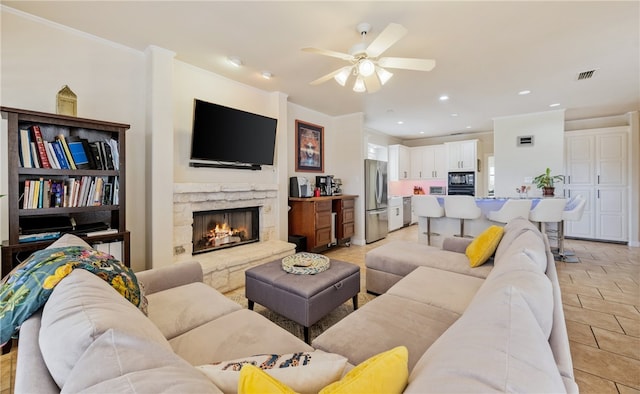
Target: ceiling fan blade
(407,63)
(326,52)
(372,83)
(389,36)
(327,77)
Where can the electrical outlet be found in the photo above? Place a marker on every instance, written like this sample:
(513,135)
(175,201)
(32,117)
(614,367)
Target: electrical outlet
(528,179)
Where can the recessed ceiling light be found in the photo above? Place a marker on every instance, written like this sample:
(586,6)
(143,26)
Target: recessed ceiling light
(266,75)
(236,61)
(444,97)
(554,105)
(400,122)
(454,115)
(422,132)
(468,127)
(524,92)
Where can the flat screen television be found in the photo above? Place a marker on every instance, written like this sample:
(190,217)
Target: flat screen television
(231,138)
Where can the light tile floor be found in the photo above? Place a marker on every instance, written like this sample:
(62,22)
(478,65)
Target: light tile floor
(601,297)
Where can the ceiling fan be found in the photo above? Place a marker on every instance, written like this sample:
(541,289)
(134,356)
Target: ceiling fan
(366,65)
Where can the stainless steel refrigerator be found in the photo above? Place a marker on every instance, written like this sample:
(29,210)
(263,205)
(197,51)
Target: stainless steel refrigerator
(375,193)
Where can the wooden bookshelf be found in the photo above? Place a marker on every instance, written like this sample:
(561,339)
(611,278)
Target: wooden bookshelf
(52,125)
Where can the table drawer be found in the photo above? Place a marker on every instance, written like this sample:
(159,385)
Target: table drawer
(323,206)
(323,219)
(323,236)
(347,215)
(348,229)
(348,203)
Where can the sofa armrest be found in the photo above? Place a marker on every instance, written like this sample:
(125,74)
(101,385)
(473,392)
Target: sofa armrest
(178,274)
(32,374)
(456,244)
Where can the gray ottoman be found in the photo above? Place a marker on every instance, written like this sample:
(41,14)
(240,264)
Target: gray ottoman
(304,299)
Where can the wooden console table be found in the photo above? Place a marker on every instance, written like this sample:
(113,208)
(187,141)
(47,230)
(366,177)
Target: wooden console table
(312,218)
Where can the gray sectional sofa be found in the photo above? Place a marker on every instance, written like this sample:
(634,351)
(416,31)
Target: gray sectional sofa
(498,327)
(463,332)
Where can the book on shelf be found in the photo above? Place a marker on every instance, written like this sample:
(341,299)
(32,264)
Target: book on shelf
(34,155)
(25,149)
(79,155)
(101,232)
(25,195)
(95,152)
(38,236)
(51,154)
(36,135)
(62,159)
(115,153)
(108,156)
(67,152)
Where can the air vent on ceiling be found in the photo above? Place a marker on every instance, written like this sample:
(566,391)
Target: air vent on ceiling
(586,74)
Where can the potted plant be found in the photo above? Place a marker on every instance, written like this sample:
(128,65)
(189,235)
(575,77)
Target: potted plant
(546,182)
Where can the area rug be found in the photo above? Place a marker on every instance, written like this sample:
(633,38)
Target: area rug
(296,329)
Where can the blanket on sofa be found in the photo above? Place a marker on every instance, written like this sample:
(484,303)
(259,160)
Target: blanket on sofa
(29,285)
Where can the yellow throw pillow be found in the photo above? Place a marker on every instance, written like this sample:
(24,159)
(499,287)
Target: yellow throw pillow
(484,246)
(254,380)
(384,373)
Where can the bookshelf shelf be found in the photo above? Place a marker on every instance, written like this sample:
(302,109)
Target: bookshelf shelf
(110,209)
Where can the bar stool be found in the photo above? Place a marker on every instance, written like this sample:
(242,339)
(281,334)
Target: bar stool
(428,207)
(573,212)
(511,210)
(461,207)
(549,210)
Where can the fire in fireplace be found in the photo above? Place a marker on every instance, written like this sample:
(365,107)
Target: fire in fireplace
(224,228)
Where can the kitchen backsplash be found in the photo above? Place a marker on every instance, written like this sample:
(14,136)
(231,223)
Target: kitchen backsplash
(405,188)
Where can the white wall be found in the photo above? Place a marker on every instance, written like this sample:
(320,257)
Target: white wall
(514,163)
(191,82)
(39,57)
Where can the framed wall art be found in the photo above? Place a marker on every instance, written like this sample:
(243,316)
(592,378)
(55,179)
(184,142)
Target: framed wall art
(309,147)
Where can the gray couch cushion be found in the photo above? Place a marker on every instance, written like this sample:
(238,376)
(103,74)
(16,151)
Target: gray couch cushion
(384,323)
(183,308)
(237,334)
(119,362)
(495,346)
(80,309)
(444,289)
(401,257)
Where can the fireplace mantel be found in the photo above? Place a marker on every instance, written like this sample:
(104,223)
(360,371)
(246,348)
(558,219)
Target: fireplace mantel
(224,269)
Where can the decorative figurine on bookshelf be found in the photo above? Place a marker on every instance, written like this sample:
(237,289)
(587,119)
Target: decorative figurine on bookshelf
(66,102)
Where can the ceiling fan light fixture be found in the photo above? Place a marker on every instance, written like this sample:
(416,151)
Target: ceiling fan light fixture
(343,75)
(366,67)
(383,75)
(234,60)
(359,85)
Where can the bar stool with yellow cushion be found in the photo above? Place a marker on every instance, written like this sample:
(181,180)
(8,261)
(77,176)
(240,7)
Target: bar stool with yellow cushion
(461,207)
(428,207)
(511,210)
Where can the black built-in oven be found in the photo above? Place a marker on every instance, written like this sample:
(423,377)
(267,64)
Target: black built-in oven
(462,183)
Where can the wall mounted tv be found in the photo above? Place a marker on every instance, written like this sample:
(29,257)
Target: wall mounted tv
(230,138)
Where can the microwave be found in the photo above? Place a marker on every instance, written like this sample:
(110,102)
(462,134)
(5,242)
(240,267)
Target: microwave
(437,190)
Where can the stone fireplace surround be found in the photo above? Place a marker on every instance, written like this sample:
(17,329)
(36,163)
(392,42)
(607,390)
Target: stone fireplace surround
(224,269)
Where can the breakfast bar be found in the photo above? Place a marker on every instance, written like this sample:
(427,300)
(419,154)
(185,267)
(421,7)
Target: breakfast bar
(448,227)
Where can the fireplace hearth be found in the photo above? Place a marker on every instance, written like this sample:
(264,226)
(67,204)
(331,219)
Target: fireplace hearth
(224,228)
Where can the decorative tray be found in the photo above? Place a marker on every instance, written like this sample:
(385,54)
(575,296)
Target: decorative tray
(305,263)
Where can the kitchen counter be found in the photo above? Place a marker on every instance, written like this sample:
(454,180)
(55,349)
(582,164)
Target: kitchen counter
(448,227)
(324,198)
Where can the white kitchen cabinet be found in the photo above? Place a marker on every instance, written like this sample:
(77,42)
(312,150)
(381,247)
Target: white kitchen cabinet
(462,155)
(399,162)
(395,213)
(596,164)
(429,162)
